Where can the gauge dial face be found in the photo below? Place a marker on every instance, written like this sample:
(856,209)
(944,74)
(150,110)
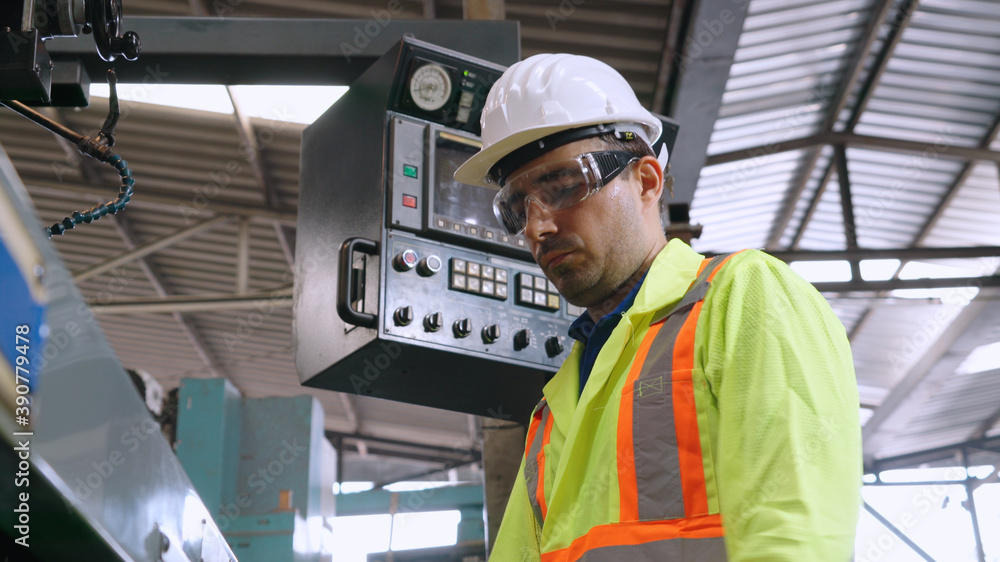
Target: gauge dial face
(430,87)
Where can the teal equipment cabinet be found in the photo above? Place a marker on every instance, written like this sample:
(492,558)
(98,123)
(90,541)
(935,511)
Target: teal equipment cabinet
(262,466)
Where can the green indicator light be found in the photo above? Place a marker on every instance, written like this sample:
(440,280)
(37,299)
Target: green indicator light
(409,171)
(466,73)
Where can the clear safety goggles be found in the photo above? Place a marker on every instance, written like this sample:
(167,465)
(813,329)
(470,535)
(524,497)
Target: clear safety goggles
(556,186)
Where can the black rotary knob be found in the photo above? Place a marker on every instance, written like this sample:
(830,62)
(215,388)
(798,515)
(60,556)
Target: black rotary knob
(491,333)
(522,339)
(553,346)
(462,328)
(403,316)
(433,322)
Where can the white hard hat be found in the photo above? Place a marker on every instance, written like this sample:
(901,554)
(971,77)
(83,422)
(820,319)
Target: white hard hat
(549,93)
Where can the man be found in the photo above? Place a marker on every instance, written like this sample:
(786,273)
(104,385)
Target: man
(708,410)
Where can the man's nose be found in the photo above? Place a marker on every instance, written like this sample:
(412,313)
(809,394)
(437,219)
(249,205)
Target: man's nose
(538,221)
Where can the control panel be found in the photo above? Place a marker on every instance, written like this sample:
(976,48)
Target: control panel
(474,301)
(423,196)
(443,89)
(425,299)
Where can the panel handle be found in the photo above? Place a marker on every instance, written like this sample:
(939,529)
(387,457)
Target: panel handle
(345,283)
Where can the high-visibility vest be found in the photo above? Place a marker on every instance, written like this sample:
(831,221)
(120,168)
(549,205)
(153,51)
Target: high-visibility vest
(664,512)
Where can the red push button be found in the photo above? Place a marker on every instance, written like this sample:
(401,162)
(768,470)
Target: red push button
(410,201)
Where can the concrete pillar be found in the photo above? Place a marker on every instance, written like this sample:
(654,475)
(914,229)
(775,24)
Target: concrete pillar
(503,447)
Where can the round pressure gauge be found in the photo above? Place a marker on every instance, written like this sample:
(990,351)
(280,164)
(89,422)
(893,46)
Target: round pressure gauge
(430,87)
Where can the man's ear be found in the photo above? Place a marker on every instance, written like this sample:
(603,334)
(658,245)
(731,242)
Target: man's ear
(651,180)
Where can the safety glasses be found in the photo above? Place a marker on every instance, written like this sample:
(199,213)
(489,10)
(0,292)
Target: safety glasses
(556,186)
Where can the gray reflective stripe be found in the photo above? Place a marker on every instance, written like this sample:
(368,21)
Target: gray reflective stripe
(654,437)
(690,298)
(531,476)
(686,550)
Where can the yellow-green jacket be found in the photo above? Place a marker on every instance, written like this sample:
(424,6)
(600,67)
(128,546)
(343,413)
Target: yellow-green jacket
(726,417)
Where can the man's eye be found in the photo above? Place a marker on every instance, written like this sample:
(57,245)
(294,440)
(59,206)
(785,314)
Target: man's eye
(516,206)
(567,191)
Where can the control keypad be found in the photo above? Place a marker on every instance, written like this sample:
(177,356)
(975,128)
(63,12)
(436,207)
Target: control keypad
(478,278)
(538,292)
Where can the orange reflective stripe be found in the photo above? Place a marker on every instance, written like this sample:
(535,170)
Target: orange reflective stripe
(617,534)
(701,267)
(628,491)
(533,479)
(532,430)
(722,263)
(686,420)
(685,409)
(540,492)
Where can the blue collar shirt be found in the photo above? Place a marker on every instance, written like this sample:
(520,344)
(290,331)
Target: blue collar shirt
(593,335)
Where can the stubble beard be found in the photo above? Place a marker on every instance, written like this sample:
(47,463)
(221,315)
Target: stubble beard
(590,284)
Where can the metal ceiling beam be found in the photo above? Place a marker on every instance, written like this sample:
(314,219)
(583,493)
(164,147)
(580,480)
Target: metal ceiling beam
(950,193)
(472,425)
(900,23)
(960,179)
(896,531)
(357,446)
(668,68)
(231,50)
(255,156)
(244,128)
(764,150)
(199,7)
(811,209)
(424,473)
(333,435)
(837,105)
(988,423)
(195,303)
(847,208)
(860,323)
(947,452)
(709,34)
(243,256)
(351,413)
(193,334)
(897,284)
(888,254)
(940,149)
(483,10)
(583,13)
(867,90)
(970,505)
(939,209)
(147,248)
(935,366)
(163,198)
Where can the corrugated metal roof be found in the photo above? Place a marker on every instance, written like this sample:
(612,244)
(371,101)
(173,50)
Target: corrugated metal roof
(940,85)
(950,415)
(971,216)
(790,57)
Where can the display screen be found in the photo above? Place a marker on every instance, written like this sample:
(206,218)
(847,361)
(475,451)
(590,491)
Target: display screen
(458,201)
